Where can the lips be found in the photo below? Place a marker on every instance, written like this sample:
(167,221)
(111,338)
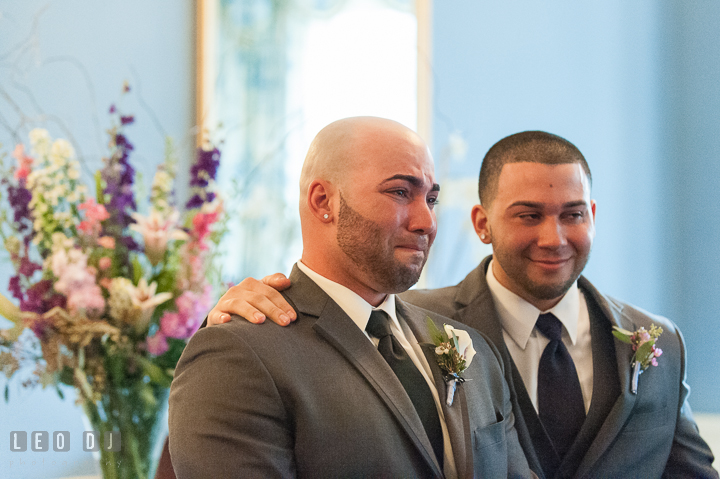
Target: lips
(421,245)
(551,263)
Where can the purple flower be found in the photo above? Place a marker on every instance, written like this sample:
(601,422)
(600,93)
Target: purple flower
(112,109)
(55,300)
(194,202)
(19,198)
(15,288)
(208,162)
(127,120)
(119,175)
(27,267)
(34,302)
(202,171)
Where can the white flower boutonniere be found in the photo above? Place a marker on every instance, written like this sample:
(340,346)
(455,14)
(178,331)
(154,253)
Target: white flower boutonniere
(454,353)
(643,343)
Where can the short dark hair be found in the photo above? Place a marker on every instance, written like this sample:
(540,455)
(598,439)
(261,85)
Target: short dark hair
(526,146)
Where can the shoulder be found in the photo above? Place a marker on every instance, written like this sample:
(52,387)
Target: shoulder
(441,300)
(448,300)
(630,316)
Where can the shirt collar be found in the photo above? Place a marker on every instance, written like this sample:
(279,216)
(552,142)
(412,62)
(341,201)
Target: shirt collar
(354,306)
(518,317)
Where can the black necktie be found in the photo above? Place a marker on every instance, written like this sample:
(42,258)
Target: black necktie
(560,399)
(414,383)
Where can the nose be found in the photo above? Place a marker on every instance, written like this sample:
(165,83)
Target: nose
(551,234)
(422,218)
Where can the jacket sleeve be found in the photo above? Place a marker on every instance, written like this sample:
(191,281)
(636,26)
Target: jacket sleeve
(690,456)
(226,416)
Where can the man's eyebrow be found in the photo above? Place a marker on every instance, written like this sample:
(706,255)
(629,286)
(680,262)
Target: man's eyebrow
(413,180)
(533,204)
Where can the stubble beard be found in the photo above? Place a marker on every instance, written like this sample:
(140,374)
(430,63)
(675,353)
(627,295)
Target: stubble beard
(361,240)
(517,271)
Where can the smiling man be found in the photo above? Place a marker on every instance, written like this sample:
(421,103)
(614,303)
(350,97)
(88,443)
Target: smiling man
(578,414)
(346,390)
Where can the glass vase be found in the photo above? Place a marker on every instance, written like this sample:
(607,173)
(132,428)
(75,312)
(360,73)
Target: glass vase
(139,414)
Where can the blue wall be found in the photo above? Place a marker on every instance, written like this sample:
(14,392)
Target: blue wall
(74,64)
(636,86)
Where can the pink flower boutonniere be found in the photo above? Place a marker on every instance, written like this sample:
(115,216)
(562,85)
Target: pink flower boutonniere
(643,343)
(454,353)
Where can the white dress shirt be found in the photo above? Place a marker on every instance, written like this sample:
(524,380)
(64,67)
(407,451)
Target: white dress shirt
(526,344)
(359,311)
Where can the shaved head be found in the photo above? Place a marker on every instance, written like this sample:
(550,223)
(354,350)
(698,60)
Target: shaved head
(332,155)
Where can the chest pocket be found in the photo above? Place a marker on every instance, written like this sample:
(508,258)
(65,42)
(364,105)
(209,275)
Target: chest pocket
(490,449)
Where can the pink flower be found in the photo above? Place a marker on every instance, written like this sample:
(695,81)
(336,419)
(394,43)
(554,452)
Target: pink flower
(24,162)
(94,211)
(107,242)
(192,308)
(94,214)
(156,344)
(88,299)
(174,326)
(201,225)
(104,263)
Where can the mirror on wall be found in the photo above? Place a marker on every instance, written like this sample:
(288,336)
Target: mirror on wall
(271,74)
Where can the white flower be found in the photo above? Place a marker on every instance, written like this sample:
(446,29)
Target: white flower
(157,231)
(465,346)
(40,141)
(62,150)
(440,350)
(134,304)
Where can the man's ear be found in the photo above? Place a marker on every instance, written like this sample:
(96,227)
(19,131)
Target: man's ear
(480,223)
(320,200)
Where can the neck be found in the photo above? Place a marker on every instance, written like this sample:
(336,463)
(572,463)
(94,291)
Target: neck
(339,275)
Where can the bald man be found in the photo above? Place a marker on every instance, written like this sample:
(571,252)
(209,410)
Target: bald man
(346,390)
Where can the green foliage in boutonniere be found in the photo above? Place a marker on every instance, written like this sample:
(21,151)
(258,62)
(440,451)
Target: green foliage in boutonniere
(453,348)
(643,343)
(453,352)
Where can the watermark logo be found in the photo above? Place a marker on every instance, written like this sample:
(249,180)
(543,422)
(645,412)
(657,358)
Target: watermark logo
(91,441)
(40,441)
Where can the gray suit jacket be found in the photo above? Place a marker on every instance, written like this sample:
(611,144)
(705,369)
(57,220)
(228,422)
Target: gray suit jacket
(650,434)
(316,399)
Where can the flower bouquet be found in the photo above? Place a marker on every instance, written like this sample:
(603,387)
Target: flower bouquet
(107,296)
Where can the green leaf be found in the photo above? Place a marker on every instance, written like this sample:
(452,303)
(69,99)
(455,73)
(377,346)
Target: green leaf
(7,393)
(154,372)
(137,270)
(60,393)
(66,376)
(435,333)
(644,350)
(622,337)
(455,342)
(98,188)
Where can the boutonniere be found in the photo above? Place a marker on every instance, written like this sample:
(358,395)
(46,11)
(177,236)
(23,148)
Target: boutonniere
(454,353)
(643,343)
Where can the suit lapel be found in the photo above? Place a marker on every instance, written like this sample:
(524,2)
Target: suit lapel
(456,416)
(338,329)
(623,405)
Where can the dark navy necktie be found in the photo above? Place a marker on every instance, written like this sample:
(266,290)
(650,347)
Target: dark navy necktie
(560,400)
(412,380)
